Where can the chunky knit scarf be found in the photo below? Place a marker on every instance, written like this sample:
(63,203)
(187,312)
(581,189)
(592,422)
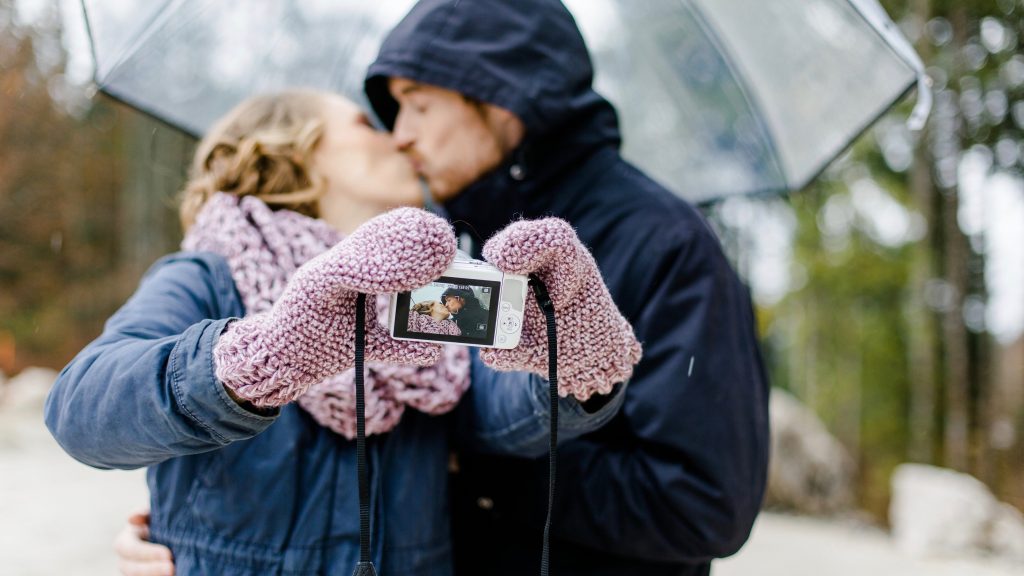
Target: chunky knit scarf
(425,324)
(263,248)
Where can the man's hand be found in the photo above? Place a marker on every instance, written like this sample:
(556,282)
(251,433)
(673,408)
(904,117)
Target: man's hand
(136,555)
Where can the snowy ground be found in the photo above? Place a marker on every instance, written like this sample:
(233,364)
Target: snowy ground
(796,546)
(60,517)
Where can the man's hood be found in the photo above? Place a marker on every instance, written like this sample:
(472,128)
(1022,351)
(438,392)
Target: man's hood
(526,56)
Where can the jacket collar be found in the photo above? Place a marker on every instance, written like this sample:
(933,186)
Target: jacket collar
(534,179)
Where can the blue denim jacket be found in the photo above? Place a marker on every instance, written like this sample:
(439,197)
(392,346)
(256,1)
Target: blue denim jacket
(237,493)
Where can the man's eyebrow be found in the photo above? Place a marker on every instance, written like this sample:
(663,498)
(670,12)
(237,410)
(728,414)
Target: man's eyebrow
(409,89)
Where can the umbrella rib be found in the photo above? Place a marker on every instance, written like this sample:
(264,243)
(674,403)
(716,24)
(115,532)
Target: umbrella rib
(146,31)
(757,112)
(92,43)
(904,52)
(159,116)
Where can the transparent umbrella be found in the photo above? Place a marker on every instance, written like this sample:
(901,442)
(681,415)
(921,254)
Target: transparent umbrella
(716,97)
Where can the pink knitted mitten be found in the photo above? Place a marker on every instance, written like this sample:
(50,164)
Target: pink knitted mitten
(389,389)
(273,357)
(596,345)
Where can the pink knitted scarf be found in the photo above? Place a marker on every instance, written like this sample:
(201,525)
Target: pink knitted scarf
(425,324)
(263,248)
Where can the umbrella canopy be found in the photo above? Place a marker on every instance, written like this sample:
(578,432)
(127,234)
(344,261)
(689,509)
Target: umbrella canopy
(716,97)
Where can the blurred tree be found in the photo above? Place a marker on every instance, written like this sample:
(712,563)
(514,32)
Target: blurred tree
(886,338)
(80,199)
(973,52)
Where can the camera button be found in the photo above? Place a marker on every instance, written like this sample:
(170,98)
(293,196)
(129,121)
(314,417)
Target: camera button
(509,323)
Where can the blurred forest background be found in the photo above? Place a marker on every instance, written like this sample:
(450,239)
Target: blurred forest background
(890,292)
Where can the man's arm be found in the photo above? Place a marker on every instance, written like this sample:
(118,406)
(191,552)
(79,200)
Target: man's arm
(508,413)
(136,555)
(683,479)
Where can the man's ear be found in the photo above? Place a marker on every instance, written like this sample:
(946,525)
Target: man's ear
(505,125)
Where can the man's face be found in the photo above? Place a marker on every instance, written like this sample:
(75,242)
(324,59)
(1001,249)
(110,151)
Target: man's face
(453,304)
(452,141)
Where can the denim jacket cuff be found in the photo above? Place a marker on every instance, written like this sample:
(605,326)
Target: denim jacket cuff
(573,417)
(201,396)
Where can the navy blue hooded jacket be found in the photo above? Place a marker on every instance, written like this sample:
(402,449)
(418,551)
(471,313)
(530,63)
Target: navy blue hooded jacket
(677,478)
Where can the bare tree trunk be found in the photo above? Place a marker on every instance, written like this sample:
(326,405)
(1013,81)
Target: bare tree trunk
(954,332)
(921,326)
(1007,421)
(955,255)
(921,322)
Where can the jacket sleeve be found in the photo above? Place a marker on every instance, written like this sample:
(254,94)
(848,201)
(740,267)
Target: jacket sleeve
(509,413)
(680,476)
(145,390)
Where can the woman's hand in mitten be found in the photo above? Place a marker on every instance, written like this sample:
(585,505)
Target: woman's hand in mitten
(272,358)
(596,345)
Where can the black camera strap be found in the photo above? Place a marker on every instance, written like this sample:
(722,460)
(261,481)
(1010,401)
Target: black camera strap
(365,565)
(540,291)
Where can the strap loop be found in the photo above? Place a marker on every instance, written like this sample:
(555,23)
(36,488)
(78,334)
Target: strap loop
(540,291)
(365,566)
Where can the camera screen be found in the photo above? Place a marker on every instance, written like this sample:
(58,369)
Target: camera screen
(449,310)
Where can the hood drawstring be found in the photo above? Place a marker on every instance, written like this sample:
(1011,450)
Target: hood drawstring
(365,565)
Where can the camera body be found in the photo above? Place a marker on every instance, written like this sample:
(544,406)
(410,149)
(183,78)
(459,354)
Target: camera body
(472,303)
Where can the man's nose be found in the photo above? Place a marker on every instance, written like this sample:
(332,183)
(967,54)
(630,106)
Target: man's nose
(403,137)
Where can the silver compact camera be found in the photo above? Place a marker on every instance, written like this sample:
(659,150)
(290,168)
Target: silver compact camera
(472,303)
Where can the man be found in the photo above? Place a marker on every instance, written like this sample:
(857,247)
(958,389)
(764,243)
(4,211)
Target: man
(493,102)
(466,311)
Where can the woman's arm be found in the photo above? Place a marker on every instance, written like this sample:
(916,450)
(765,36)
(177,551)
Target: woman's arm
(145,390)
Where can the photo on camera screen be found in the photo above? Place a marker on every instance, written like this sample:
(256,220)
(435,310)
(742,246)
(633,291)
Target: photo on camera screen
(449,310)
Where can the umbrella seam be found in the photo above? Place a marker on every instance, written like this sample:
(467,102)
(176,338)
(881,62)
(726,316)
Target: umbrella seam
(756,108)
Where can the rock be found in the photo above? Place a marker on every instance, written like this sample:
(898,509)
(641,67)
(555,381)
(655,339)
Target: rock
(26,392)
(940,512)
(1006,533)
(935,511)
(21,410)
(810,471)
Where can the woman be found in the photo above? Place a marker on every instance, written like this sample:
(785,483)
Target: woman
(197,375)
(432,318)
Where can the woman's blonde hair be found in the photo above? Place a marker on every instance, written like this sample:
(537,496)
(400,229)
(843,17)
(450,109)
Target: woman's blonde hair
(262,148)
(425,307)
